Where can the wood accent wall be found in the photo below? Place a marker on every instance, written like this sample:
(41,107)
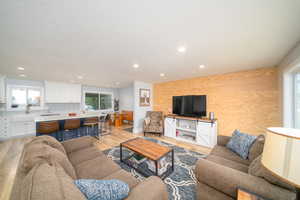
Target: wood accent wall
(245,100)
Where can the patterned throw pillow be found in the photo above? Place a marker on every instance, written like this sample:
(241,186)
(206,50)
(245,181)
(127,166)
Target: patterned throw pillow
(103,189)
(240,143)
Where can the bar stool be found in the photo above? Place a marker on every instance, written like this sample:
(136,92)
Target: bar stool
(49,128)
(91,125)
(71,129)
(105,126)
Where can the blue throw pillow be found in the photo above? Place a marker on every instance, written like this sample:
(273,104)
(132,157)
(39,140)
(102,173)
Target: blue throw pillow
(240,143)
(103,189)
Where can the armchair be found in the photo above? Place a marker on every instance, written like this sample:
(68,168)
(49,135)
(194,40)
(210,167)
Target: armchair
(153,123)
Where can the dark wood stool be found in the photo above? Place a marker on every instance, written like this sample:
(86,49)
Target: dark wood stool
(49,128)
(71,129)
(91,125)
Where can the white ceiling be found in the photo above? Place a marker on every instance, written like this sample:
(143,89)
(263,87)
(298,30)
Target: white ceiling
(101,39)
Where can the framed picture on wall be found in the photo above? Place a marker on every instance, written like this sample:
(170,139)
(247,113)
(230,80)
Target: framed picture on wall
(144,97)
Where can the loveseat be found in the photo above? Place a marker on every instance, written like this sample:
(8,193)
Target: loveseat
(48,168)
(222,172)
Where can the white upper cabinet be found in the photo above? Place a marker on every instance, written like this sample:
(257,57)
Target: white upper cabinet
(57,92)
(2,89)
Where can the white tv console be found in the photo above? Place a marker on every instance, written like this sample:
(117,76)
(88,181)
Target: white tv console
(194,130)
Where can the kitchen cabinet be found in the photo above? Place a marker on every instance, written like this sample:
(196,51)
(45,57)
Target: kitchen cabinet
(11,129)
(57,92)
(2,89)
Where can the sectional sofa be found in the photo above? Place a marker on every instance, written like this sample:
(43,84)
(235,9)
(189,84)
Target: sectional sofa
(48,168)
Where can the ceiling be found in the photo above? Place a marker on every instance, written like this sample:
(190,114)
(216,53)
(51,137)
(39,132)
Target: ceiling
(100,40)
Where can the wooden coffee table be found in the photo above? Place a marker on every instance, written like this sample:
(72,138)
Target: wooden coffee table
(151,151)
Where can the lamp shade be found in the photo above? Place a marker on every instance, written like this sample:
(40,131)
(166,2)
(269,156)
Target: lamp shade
(281,154)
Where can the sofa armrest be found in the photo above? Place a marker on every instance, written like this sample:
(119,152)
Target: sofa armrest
(227,180)
(153,188)
(77,143)
(223,140)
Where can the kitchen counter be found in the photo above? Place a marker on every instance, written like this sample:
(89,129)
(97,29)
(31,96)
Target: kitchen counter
(66,116)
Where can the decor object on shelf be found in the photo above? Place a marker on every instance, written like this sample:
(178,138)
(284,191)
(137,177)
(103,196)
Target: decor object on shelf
(285,144)
(211,115)
(153,122)
(240,143)
(144,97)
(103,189)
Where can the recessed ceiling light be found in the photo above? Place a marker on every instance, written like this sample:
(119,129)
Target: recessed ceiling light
(135,66)
(22,75)
(162,74)
(201,66)
(80,77)
(21,68)
(181,49)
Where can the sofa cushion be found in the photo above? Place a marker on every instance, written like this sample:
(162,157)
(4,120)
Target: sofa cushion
(96,168)
(240,143)
(45,182)
(76,144)
(224,152)
(257,169)
(123,176)
(51,141)
(103,189)
(228,163)
(85,154)
(39,152)
(257,148)
(205,192)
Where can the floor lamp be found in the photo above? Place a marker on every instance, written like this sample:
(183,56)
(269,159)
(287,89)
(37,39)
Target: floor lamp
(281,155)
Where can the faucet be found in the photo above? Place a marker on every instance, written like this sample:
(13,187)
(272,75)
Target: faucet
(28,106)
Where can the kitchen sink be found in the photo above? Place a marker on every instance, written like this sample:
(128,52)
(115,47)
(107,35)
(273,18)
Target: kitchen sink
(49,114)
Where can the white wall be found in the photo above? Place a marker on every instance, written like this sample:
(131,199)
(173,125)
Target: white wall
(139,112)
(126,97)
(289,64)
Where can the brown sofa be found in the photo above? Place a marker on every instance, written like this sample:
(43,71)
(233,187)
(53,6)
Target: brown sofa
(47,171)
(222,172)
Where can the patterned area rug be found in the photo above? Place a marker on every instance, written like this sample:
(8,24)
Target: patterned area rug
(182,182)
(129,130)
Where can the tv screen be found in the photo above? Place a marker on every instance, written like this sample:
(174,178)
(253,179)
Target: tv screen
(177,102)
(192,105)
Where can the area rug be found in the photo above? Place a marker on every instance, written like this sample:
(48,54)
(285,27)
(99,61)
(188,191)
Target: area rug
(181,183)
(128,129)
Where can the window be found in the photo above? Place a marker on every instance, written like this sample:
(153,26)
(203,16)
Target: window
(98,101)
(92,101)
(105,101)
(21,96)
(297,100)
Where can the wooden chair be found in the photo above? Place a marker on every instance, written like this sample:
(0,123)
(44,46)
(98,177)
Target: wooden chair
(49,128)
(71,129)
(91,125)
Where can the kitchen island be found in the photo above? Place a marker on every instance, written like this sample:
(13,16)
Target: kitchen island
(61,133)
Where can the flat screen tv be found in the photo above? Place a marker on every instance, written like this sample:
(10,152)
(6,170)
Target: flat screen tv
(190,106)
